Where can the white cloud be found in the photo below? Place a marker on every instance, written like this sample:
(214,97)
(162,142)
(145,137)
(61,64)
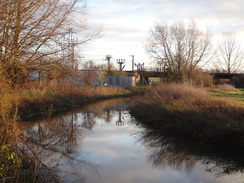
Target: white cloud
(126,24)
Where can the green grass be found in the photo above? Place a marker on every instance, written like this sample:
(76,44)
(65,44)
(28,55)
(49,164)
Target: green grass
(237,96)
(140,86)
(153,79)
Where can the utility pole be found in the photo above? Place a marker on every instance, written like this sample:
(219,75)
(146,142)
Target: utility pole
(68,49)
(140,67)
(133,57)
(71,46)
(121,62)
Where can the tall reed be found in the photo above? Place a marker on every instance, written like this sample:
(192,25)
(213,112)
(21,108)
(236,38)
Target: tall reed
(191,112)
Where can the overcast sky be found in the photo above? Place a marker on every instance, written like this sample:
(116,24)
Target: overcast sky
(126,24)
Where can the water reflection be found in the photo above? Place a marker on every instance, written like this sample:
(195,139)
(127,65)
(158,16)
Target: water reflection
(168,151)
(53,141)
(120,122)
(103,143)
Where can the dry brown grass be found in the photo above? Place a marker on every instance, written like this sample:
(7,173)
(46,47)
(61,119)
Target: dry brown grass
(182,98)
(85,91)
(42,100)
(191,112)
(88,91)
(222,88)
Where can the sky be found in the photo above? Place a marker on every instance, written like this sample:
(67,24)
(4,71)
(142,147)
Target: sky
(126,24)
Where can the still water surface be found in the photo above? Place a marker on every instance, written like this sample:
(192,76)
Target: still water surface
(103,143)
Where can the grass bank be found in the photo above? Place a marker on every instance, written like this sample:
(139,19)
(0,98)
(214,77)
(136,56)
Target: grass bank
(184,111)
(43,101)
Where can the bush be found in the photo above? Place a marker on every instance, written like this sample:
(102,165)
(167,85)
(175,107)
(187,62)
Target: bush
(200,79)
(10,164)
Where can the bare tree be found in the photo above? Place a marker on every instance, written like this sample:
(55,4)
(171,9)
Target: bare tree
(28,31)
(91,73)
(181,48)
(230,54)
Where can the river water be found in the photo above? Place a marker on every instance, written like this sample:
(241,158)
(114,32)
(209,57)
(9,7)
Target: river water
(103,143)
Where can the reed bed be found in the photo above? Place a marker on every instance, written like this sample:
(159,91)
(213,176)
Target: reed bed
(190,112)
(45,101)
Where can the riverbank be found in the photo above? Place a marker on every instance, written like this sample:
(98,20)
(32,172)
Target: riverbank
(192,113)
(41,102)
(24,104)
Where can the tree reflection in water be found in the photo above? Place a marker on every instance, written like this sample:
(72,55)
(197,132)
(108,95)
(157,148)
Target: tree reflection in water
(52,144)
(168,151)
(56,145)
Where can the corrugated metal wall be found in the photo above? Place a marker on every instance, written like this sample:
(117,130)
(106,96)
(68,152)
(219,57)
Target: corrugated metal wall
(121,81)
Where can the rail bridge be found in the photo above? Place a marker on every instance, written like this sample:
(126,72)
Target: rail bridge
(226,75)
(146,74)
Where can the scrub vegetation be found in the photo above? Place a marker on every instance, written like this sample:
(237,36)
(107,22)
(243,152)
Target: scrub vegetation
(185,111)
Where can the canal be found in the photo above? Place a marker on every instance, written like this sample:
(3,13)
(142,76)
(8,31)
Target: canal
(103,143)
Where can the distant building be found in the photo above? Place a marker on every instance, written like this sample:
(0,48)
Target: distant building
(120,81)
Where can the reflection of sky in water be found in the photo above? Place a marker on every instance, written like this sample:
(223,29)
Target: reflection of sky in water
(103,152)
(120,158)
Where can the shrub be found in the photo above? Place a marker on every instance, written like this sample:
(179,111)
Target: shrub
(10,163)
(200,78)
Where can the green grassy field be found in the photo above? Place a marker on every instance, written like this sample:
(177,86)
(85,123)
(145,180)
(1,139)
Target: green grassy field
(237,95)
(154,79)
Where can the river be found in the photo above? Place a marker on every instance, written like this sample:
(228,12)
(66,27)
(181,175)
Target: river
(103,143)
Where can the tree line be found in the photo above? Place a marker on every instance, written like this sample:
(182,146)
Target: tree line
(183,50)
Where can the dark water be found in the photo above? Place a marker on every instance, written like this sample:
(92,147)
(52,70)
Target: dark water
(102,143)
